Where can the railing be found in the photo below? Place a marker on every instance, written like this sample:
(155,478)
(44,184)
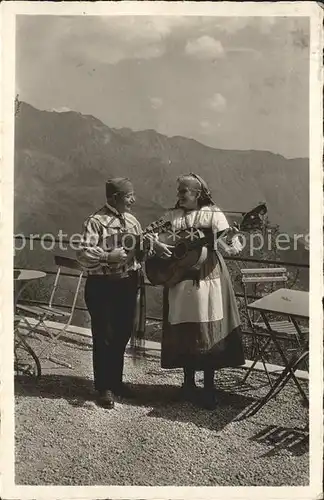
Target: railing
(153,299)
(233,258)
(242,259)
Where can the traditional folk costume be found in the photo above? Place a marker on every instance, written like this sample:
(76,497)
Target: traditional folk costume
(111,290)
(201,319)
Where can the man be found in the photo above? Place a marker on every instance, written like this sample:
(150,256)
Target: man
(111,287)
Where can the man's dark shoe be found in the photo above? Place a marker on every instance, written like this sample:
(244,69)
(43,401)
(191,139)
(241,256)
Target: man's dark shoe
(123,391)
(106,399)
(189,393)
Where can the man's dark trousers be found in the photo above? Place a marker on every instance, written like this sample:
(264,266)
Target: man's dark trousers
(111,303)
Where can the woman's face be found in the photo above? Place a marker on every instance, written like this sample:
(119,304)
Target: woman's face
(188,197)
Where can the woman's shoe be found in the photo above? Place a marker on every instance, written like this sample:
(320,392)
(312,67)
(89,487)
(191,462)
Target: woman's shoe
(106,399)
(209,399)
(123,391)
(188,393)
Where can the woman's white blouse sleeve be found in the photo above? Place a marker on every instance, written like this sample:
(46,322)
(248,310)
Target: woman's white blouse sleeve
(219,222)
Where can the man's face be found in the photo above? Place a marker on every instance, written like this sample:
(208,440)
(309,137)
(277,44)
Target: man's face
(124,202)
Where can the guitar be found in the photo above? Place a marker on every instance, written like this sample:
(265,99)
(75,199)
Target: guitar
(190,248)
(132,243)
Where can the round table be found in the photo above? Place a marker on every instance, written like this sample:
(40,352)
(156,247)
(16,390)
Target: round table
(24,276)
(27,274)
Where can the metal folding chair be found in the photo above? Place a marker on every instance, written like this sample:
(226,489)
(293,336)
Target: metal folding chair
(44,313)
(256,327)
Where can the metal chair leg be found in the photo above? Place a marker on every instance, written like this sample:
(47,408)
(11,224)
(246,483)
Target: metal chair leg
(282,354)
(280,383)
(36,369)
(260,356)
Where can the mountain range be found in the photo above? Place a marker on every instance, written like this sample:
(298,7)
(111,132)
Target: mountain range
(63,159)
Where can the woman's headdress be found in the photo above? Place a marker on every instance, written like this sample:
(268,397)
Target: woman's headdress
(205,198)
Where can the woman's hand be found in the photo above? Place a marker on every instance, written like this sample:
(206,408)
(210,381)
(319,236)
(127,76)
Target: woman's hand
(233,243)
(230,233)
(232,251)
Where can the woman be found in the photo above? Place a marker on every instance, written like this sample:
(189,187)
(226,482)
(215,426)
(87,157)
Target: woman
(201,321)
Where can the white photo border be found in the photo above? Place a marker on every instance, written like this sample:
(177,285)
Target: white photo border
(9,11)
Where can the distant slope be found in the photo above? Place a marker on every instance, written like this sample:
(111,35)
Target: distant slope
(63,159)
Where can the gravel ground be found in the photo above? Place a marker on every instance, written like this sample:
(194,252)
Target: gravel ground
(64,438)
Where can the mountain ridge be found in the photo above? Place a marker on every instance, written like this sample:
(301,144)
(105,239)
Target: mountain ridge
(133,131)
(79,152)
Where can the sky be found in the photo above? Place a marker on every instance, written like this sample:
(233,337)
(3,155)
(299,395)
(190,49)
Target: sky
(229,82)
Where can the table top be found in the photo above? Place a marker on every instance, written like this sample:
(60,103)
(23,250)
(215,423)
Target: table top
(27,274)
(284,301)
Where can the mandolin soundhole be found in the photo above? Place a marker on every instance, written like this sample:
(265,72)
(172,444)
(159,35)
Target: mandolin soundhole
(180,250)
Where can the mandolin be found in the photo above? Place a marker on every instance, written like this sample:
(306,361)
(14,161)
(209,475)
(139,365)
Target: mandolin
(132,243)
(190,248)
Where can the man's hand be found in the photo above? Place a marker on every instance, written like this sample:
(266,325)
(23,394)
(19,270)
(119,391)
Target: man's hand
(162,250)
(116,256)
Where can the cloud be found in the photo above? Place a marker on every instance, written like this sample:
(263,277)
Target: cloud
(266,24)
(231,25)
(217,102)
(156,102)
(244,50)
(204,124)
(149,52)
(148,28)
(111,39)
(209,129)
(205,47)
(115,52)
(132,37)
(108,39)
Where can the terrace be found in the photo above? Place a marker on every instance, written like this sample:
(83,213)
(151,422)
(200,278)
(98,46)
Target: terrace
(63,438)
